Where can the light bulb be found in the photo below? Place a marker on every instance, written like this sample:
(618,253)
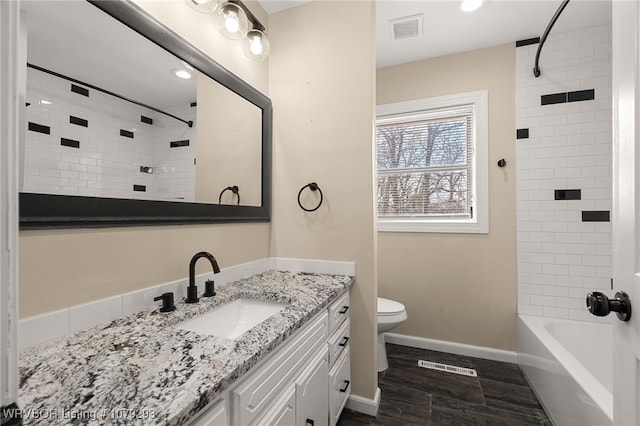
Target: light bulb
(255,45)
(231,23)
(203,6)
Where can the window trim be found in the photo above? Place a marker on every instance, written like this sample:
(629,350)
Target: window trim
(479,224)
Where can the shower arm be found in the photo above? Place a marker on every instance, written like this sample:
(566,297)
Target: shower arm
(536,67)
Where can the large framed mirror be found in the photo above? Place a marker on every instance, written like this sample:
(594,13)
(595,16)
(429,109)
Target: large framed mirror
(114,136)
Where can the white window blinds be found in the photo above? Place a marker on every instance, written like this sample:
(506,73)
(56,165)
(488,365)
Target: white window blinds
(424,164)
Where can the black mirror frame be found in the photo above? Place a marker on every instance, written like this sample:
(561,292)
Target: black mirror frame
(44,211)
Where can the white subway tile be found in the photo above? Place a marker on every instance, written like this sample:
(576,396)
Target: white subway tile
(551,312)
(89,315)
(42,328)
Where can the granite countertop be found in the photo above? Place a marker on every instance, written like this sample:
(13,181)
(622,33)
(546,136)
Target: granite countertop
(143,370)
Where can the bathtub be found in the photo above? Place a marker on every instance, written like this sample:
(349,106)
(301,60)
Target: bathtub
(569,365)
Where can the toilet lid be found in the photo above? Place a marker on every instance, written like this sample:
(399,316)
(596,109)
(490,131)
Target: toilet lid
(389,307)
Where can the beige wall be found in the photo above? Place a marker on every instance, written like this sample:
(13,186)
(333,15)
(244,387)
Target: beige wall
(321,82)
(229,132)
(63,268)
(459,287)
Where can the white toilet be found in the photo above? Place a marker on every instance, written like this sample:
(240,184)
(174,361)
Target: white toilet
(390,315)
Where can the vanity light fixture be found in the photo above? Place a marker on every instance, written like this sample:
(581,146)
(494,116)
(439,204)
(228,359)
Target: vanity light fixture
(203,6)
(236,22)
(470,5)
(256,45)
(232,21)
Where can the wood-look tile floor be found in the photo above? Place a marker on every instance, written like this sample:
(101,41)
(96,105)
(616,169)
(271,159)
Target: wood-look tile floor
(411,395)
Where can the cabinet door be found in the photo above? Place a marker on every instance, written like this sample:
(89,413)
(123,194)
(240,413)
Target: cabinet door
(283,412)
(339,386)
(312,398)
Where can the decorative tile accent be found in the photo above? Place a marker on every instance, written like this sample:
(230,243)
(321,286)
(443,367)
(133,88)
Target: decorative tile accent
(596,216)
(79,90)
(555,98)
(35,127)
(527,42)
(71,143)
(522,134)
(126,133)
(568,194)
(140,188)
(582,95)
(176,144)
(78,121)
(146,120)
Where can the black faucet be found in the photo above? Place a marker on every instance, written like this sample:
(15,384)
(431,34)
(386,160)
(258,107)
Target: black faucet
(192,290)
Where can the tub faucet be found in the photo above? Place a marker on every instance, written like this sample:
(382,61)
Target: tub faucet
(192,290)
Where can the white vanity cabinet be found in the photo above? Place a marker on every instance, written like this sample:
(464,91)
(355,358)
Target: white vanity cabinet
(306,382)
(339,359)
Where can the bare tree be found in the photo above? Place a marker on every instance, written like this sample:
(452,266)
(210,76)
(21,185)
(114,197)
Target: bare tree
(420,146)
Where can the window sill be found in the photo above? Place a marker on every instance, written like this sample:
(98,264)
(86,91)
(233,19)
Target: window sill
(434,226)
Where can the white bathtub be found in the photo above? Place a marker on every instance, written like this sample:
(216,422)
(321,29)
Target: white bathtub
(569,365)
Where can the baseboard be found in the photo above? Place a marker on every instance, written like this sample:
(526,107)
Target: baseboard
(364,405)
(452,347)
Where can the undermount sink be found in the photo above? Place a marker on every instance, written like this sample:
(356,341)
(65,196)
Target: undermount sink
(233,319)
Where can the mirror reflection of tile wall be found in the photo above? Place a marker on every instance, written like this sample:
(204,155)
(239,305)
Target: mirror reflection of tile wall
(89,143)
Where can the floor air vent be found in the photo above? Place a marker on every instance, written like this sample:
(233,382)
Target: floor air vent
(448,368)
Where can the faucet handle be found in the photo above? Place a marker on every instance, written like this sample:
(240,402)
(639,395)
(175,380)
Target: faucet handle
(209,288)
(167,302)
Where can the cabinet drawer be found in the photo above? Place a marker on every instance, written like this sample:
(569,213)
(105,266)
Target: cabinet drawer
(339,386)
(252,397)
(283,412)
(339,341)
(338,311)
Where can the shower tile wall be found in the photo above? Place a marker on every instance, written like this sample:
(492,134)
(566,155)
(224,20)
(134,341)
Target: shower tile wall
(95,145)
(563,153)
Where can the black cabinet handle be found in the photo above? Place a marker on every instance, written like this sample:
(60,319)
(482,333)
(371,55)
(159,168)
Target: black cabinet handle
(309,422)
(345,339)
(343,310)
(346,386)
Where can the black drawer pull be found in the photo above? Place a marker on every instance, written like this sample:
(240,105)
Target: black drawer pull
(309,422)
(345,339)
(346,386)
(343,310)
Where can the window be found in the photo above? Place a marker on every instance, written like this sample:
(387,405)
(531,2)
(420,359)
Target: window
(431,161)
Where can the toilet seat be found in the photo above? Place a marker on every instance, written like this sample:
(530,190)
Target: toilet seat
(388,307)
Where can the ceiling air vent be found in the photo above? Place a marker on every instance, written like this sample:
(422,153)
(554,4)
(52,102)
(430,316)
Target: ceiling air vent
(407,27)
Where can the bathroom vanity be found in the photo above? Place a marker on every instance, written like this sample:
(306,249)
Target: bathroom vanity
(292,368)
(299,383)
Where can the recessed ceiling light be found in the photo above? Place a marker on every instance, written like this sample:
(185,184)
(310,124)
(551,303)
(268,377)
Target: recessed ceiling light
(470,5)
(182,74)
